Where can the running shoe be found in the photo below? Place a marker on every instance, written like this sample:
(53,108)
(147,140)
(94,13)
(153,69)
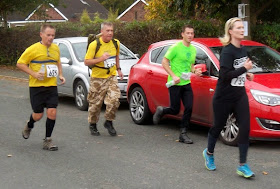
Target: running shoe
(209,161)
(245,171)
(48,145)
(26,131)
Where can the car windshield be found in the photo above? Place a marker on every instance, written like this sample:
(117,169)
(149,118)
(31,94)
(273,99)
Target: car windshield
(265,60)
(80,50)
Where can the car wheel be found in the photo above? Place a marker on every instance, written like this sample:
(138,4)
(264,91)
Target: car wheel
(80,94)
(138,106)
(230,133)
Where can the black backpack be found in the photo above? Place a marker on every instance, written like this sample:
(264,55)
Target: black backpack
(91,38)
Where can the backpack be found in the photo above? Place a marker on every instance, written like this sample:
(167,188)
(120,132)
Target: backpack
(91,38)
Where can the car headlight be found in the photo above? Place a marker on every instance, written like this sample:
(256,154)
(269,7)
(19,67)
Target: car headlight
(266,98)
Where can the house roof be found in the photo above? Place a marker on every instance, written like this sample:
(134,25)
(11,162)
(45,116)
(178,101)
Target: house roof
(131,6)
(67,9)
(77,7)
(52,6)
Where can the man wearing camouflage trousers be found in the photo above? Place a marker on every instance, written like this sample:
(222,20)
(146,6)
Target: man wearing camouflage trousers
(104,61)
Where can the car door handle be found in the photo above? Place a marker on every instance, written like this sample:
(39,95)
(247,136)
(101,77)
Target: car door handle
(150,72)
(211,90)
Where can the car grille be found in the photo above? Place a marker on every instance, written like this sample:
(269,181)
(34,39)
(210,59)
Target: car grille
(125,79)
(122,81)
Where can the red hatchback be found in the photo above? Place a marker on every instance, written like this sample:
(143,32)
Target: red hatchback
(146,88)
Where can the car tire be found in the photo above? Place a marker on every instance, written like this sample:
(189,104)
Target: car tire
(138,107)
(230,133)
(80,94)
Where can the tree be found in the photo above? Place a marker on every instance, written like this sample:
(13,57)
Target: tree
(220,10)
(116,5)
(112,15)
(158,10)
(264,10)
(97,19)
(21,6)
(85,19)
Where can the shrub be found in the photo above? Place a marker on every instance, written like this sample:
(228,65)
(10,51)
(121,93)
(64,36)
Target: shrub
(268,34)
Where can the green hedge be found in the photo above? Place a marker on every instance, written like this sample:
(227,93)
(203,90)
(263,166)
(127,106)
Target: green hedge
(137,36)
(268,34)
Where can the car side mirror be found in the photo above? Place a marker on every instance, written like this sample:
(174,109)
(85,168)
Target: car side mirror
(65,60)
(202,67)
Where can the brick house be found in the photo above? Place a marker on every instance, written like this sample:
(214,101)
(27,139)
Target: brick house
(68,10)
(135,12)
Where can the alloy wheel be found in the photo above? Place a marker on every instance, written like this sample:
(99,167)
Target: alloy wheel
(230,132)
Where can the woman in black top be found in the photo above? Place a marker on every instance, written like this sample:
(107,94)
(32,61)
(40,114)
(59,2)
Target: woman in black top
(230,95)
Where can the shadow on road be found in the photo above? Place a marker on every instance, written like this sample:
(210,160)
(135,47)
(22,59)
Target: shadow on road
(66,100)
(173,124)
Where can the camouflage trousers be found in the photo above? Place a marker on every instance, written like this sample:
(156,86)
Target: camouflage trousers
(103,90)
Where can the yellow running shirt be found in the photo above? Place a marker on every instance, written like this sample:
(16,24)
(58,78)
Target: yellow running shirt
(105,47)
(35,56)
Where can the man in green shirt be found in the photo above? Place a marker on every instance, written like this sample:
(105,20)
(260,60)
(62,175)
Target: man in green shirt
(178,62)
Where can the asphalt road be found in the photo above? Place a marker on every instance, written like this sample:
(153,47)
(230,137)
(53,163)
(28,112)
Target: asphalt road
(139,157)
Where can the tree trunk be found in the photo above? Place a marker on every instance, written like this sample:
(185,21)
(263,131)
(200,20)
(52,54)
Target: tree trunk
(256,13)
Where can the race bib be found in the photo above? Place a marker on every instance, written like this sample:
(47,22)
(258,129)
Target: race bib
(186,75)
(239,81)
(110,62)
(52,70)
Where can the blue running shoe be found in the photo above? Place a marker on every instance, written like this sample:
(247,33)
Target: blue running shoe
(209,161)
(245,171)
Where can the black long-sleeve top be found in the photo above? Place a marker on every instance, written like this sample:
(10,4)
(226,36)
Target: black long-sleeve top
(232,74)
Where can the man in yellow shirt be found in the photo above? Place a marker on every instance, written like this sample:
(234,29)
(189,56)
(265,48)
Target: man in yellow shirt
(103,84)
(42,62)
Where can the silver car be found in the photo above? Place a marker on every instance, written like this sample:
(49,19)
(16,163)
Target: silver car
(72,53)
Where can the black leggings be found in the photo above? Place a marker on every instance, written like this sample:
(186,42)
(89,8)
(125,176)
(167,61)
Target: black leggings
(222,110)
(176,93)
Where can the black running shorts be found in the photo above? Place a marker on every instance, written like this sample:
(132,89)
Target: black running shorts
(43,97)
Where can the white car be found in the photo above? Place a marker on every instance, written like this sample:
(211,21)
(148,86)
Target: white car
(72,54)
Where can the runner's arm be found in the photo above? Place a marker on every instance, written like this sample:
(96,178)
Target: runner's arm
(62,79)
(91,62)
(165,65)
(26,69)
(119,67)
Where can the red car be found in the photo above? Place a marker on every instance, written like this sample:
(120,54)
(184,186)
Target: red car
(146,88)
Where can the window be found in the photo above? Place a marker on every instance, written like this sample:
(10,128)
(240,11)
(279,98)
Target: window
(161,54)
(202,58)
(80,50)
(125,55)
(264,59)
(154,54)
(64,52)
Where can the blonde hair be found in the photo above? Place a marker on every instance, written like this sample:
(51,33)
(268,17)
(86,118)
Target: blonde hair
(228,26)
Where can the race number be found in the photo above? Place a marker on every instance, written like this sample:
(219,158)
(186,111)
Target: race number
(52,71)
(110,62)
(239,81)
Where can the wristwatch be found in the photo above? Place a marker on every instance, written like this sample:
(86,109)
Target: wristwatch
(119,69)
